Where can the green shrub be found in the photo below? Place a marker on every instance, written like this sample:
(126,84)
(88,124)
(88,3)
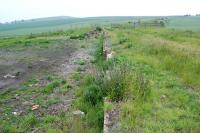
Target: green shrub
(92,95)
(99,52)
(64,89)
(95,116)
(99,29)
(80,37)
(63,81)
(129,45)
(123,40)
(81,62)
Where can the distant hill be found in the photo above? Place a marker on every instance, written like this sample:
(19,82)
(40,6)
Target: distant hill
(185,22)
(36,23)
(55,23)
(65,22)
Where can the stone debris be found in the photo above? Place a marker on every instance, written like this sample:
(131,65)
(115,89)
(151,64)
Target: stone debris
(35,107)
(17,98)
(9,76)
(78,112)
(33,85)
(16,113)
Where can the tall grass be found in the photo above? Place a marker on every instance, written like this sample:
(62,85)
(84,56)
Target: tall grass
(116,81)
(169,62)
(155,47)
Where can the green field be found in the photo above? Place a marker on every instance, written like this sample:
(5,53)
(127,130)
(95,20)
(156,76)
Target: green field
(56,24)
(170,61)
(152,81)
(64,23)
(185,23)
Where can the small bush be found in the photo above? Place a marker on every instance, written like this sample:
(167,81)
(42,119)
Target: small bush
(63,81)
(81,62)
(129,45)
(115,82)
(50,78)
(123,40)
(95,116)
(92,95)
(99,29)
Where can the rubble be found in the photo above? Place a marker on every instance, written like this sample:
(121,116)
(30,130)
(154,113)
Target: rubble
(35,107)
(9,76)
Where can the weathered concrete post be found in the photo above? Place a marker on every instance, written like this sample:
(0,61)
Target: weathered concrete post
(77,126)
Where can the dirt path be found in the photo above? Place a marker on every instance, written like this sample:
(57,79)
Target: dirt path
(66,70)
(71,64)
(17,66)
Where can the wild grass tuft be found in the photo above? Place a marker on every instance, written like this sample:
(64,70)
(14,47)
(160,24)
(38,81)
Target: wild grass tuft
(51,86)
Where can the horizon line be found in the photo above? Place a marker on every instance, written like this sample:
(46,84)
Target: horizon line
(29,19)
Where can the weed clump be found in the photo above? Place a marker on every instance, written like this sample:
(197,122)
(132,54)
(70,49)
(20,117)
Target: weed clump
(123,40)
(92,95)
(80,37)
(28,122)
(50,87)
(114,80)
(99,29)
(81,62)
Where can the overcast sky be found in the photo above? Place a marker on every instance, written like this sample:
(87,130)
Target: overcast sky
(27,9)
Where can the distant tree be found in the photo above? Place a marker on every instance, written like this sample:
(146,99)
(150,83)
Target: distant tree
(162,23)
(98,28)
(129,22)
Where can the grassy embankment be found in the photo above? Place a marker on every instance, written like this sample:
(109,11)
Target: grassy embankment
(155,74)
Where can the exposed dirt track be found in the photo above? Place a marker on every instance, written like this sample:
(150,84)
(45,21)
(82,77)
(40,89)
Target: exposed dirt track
(23,64)
(60,59)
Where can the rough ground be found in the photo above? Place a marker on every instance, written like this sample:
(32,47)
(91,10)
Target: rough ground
(32,61)
(21,98)
(69,66)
